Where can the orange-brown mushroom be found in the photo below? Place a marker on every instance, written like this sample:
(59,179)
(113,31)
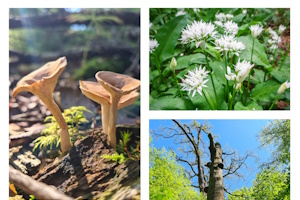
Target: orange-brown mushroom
(96,92)
(41,83)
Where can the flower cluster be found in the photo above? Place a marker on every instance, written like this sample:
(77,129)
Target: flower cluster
(180,12)
(198,32)
(231,28)
(242,70)
(256,30)
(228,43)
(275,38)
(153,45)
(195,81)
(222,18)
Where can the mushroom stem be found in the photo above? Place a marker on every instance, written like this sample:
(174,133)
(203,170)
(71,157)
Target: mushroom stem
(65,142)
(105,116)
(112,120)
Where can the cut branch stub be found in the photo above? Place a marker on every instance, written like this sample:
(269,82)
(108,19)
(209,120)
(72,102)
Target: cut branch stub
(114,91)
(41,83)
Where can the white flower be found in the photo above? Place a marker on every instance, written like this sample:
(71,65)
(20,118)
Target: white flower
(245,12)
(229,16)
(238,86)
(150,25)
(219,23)
(229,43)
(273,47)
(242,69)
(221,17)
(283,87)
(195,81)
(180,12)
(281,29)
(196,10)
(256,30)
(231,28)
(197,32)
(153,45)
(275,40)
(230,76)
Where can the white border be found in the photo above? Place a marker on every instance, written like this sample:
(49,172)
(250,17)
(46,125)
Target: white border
(145,113)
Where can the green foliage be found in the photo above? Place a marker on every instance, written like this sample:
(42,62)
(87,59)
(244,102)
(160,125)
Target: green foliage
(277,134)
(124,151)
(119,158)
(270,71)
(50,135)
(270,184)
(168,179)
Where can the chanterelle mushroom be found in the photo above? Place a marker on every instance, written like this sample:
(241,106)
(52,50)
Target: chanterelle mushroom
(96,92)
(41,83)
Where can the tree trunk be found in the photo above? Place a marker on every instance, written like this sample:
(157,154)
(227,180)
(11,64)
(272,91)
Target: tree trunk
(216,188)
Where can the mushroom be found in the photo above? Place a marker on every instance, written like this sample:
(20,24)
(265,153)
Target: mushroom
(98,93)
(41,83)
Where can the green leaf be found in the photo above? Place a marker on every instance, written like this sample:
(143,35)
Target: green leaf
(167,37)
(283,75)
(259,54)
(169,103)
(250,106)
(265,92)
(258,77)
(219,71)
(238,18)
(185,61)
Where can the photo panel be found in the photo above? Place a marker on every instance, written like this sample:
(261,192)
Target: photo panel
(219,159)
(74,103)
(219,59)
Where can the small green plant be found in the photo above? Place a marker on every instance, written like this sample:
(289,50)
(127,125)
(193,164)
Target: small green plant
(124,151)
(50,135)
(32,197)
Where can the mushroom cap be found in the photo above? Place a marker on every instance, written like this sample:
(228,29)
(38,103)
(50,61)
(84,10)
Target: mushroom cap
(46,75)
(117,83)
(96,92)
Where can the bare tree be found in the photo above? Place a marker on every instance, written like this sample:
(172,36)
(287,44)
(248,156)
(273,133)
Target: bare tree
(205,159)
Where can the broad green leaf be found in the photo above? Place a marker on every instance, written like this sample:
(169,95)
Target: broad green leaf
(282,75)
(185,61)
(265,92)
(219,71)
(162,87)
(167,37)
(258,76)
(250,106)
(238,18)
(154,74)
(259,54)
(169,103)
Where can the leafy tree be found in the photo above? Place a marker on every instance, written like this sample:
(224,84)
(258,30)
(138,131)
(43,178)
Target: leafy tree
(277,134)
(270,184)
(167,178)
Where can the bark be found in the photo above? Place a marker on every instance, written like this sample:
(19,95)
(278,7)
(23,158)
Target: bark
(31,186)
(216,188)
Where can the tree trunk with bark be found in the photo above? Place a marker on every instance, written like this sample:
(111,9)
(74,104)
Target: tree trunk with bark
(216,188)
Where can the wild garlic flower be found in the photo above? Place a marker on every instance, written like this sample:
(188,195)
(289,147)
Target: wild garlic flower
(231,28)
(275,40)
(242,70)
(180,12)
(173,64)
(228,43)
(195,81)
(198,32)
(221,17)
(281,28)
(229,16)
(219,23)
(283,87)
(245,12)
(256,30)
(150,24)
(153,45)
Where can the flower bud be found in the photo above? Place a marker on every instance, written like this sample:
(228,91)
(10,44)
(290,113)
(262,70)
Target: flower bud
(238,86)
(173,64)
(244,12)
(283,87)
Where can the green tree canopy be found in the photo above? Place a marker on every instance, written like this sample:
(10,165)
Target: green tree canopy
(168,179)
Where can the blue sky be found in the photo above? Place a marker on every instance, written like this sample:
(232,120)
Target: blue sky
(239,135)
